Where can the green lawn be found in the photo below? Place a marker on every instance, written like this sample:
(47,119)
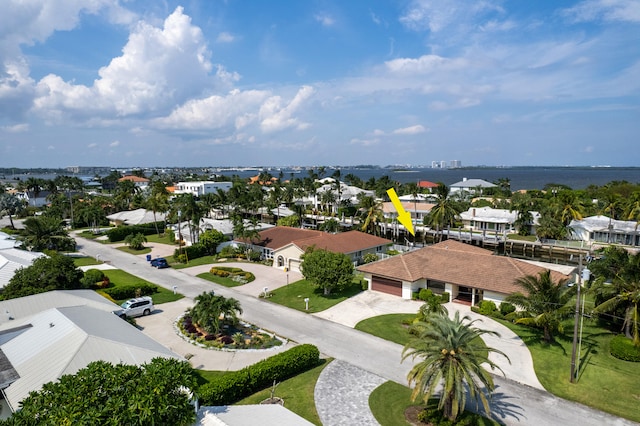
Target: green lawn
(122,278)
(204,260)
(388,327)
(85,261)
(227,282)
(389,401)
(297,392)
(605,382)
(163,239)
(129,250)
(293,295)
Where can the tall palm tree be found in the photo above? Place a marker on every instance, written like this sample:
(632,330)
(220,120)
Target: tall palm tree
(371,212)
(522,204)
(158,201)
(445,210)
(10,205)
(452,356)
(211,311)
(34,185)
(544,304)
(46,232)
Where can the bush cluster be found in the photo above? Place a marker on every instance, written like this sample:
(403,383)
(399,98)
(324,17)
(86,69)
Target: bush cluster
(129,291)
(234,386)
(91,278)
(192,252)
(223,271)
(622,347)
(121,232)
(489,308)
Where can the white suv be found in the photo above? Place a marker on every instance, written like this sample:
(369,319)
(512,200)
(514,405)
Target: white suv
(136,307)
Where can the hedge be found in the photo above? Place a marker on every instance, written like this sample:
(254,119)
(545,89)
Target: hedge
(234,386)
(129,291)
(193,251)
(120,233)
(622,347)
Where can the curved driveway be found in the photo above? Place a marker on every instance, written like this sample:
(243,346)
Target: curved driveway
(512,403)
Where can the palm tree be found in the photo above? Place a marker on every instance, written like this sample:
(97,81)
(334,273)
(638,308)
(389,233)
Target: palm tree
(617,288)
(211,311)
(158,201)
(522,204)
(452,356)
(34,185)
(46,232)
(445,210)
(371,212)
(10,205)
(544,304)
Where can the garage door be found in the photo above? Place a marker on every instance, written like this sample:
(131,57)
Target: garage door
(386,286)
(294,265)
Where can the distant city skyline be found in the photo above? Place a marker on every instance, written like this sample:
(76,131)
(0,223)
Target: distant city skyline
(227,83)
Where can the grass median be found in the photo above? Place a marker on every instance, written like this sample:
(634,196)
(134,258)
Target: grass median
(293,296)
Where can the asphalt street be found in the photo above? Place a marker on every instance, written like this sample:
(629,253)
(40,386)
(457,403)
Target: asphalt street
(512,403)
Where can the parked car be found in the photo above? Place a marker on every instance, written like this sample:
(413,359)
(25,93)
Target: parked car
(159,262)
(135,307)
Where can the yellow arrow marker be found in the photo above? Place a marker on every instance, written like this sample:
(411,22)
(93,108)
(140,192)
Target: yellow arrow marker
(403,216)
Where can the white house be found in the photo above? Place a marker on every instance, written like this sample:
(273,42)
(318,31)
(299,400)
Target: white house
(603,229)
(45,336)
(13,258)
(200,188)
(474,186)
(481,219)
(136,217)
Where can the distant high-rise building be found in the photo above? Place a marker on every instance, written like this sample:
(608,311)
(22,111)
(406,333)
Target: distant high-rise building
(435,165)
(443,164)
(455,164)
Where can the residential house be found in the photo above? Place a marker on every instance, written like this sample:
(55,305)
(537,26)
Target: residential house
(418,210)
(139,182)
(135,217)
(12,258)
(472,186)
(468,273)
(286,245)
(425,184)
(490,220)
(225,226)
(200,188)
(45,336)
(347,194)
(603,229)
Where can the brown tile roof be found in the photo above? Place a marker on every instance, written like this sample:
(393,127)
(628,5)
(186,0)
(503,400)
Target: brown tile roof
(345,242)
(458,263)
(133,179)
(427,184)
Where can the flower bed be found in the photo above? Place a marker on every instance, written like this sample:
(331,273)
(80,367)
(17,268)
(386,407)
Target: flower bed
(242,336)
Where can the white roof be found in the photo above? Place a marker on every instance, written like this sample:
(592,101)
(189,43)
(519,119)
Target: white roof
(473,183)
(45,344)
(491,215)
(12,259)
(248,415)
(136,217)
(601,223)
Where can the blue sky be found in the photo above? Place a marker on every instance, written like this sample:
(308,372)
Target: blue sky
(127,83)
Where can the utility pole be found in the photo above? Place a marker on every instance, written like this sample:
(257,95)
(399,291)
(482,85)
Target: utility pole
(586,274)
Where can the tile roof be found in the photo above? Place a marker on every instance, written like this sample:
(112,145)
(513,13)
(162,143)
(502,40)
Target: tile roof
(133,179)
(458,263)
(343,242)
(427,184)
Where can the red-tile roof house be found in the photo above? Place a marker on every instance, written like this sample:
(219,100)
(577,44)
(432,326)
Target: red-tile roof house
(285,245)
(426,184)
(468,273)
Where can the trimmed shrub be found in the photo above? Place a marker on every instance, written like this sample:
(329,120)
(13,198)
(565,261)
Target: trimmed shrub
(232,387)
(129,291)
(425,294)
(192,252)
(622,348)
(487,307)
(91,278)
(506,308)
(446,297)
(121,232)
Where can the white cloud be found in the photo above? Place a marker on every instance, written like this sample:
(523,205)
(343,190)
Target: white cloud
(225,37)
(412,130)
(325,20)
(16,128)
(114,144)
(424,64)
(606,10)
(377,132)
(364,142)
(214,112)
(275,116)
(438,15)
(159,68)
(92,145)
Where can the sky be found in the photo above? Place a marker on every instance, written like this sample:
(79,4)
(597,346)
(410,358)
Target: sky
(149,83)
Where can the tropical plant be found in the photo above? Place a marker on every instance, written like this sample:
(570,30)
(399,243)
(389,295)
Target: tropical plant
(211,312)
(135,241)
(544,303)
(46,232)
(57,272)
(371,213)
(158,201)
(452,356)
(444,212)
(617,288)
(11,206)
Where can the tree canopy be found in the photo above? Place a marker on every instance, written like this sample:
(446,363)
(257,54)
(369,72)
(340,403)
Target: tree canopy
(156,393)
(57,272)
(327,270)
